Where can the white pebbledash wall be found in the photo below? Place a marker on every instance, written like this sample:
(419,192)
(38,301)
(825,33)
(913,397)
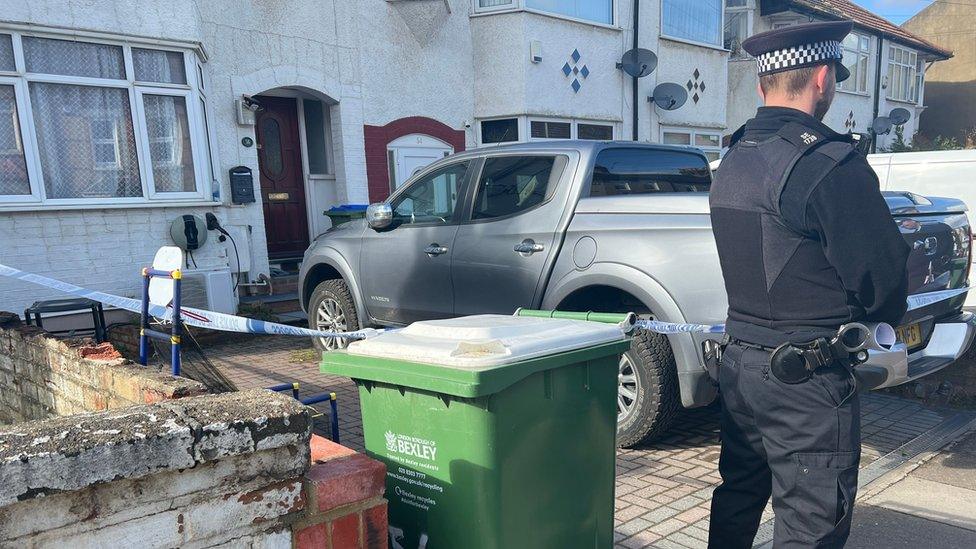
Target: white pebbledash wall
(374,61)
(252,47)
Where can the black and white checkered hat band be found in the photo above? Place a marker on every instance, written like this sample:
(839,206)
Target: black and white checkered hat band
(798,56)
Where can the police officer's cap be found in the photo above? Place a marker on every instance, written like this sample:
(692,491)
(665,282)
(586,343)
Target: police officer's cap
(800,46)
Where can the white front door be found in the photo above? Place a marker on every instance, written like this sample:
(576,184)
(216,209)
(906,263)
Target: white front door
(410,153)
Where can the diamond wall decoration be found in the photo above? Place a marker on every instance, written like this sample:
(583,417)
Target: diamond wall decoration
(575,70)
(696,86)
(850,123)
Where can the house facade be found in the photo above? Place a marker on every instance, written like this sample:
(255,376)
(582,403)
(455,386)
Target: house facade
(950,86)
(121,117)
(888,64)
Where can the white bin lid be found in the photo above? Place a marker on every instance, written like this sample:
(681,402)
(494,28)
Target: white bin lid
(485,341)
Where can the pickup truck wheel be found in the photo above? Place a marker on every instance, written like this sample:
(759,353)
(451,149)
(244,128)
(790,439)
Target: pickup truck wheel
(647,390)
(331,308)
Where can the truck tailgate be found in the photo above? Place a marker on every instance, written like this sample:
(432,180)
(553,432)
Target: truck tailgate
(938,231)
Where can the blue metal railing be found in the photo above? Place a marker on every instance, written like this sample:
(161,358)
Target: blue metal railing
(176,334)
(315,399)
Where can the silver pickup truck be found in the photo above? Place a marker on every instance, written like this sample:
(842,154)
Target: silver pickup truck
(593,226)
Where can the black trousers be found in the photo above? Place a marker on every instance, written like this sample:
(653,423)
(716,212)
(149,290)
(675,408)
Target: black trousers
(799,443)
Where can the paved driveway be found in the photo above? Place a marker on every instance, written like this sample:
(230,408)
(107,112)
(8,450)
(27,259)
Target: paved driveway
(663,490)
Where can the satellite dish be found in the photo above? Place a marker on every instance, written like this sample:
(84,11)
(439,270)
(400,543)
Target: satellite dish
(168,258)
(669,96)
(881,125)
(899,116)
(638,62)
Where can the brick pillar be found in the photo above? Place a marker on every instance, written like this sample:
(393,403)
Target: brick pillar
(346,509)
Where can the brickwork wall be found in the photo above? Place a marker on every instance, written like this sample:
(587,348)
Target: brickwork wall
(230,470)
(42,377)
(344,507)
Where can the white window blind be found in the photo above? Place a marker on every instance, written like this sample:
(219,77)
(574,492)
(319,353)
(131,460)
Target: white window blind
(102,122)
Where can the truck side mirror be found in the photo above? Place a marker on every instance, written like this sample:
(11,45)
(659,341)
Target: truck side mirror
(379,216)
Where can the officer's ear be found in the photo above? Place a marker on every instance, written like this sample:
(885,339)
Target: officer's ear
(822,78)
(762,96)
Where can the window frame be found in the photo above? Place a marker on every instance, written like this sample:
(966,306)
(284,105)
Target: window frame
(26,140)
(750,27)
(721,30)
(692,133)
(521,5)
(520,127)
(866,54)
(196,136)
(570,122)
(914,82)
(202,134)
(327,130)
(524,123)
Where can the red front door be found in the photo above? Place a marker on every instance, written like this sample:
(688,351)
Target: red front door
(282,184)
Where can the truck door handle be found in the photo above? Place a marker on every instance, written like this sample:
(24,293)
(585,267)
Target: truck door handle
(435,249)
(528,247)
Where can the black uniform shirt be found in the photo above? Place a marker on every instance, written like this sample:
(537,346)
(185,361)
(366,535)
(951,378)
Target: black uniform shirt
(851,264)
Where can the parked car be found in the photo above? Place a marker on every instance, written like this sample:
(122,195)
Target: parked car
(591,226)
(938,173)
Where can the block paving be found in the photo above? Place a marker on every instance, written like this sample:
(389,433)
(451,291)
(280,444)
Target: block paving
(663,490)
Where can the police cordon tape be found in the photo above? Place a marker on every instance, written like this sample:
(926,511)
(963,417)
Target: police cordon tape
(193,317)
(232,323)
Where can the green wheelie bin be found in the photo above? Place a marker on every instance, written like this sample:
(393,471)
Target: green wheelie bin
(497,431)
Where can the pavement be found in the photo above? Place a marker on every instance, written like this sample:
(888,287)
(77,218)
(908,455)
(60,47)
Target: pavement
(912,493)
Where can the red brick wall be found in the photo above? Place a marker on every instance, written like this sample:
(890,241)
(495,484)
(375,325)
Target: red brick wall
(378,137)
(345,507)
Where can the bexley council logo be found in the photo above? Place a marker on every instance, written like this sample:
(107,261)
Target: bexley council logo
(410,446)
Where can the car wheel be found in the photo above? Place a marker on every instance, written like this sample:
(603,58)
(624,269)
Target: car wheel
(647,390)
(332,309)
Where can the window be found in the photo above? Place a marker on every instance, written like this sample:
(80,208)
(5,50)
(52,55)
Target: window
(710,143)
(315,136)
(6,53)
(695,20)
(170,153)
(600,11)
(550,130)
(159,66)
(499,131)
(495,4)
(13,165)
(431,199)
(738,26)
(857,51)
(513,184)
(626,170)
(597,132)
(903,74)
(111,122)
(507,130)
(85,140)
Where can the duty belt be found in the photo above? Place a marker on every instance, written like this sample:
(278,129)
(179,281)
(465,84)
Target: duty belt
(794,363)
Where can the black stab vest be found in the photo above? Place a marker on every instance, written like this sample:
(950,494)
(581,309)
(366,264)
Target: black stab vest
(779,283)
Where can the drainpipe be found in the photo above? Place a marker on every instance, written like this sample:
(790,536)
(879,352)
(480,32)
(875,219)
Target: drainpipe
(634,120)
(877,90)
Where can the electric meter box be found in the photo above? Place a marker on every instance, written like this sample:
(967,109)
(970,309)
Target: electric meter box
(241,185)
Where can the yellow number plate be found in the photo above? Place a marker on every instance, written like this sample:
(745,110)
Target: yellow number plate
(910,335)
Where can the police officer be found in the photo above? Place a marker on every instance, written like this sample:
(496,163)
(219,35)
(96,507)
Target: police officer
(806,244)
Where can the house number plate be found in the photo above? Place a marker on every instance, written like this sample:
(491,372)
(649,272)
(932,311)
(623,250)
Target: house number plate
(277,196)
